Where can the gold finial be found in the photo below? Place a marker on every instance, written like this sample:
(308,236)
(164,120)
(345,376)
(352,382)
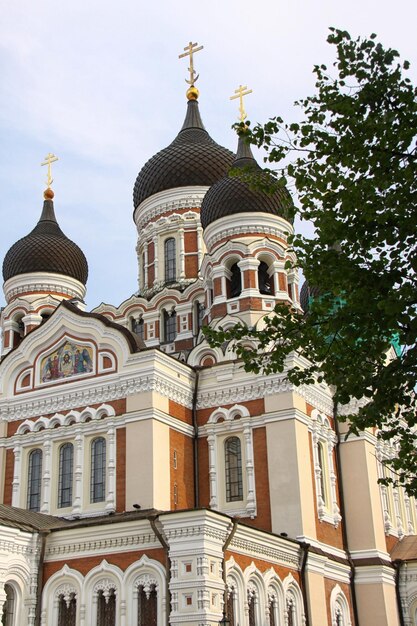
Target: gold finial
(192,92)
(239,93)
(49,159)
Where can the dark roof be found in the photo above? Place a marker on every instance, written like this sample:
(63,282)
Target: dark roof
(29,520)
(193,158)
(406,549)
(306,294)
(46,249)
(233,195)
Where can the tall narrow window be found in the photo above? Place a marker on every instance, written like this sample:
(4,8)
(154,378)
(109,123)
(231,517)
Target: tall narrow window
(98,470)
(264,280)
(322,466)
(230,609)
(235,281)
(271,606)
(170,326)
(106,608)
(290,613)
(170,260)
(34,480)
(66,463)
(199,315)
(252,613)
(147,606)
(233,466)
(7,618)
(67,610)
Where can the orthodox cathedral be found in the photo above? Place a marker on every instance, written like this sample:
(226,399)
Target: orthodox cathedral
(147,479)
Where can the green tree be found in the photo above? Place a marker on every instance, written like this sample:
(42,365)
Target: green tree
(352,161)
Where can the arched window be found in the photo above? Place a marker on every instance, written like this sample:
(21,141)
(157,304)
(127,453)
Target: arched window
(272,607)
(98,470)
(66,464)
(252,608)
(290,612)
(233,467)
(235,281)
(34,480)
(230,607)
(106,608)
(199,315)
(138,326)
(9,606)
(170,260)
(67,610)
(264,280)
(147,606)
(170,326)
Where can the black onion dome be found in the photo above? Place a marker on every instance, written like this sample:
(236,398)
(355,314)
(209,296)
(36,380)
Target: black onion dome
(307,293)
(193,158)
(232,195)
(46,249)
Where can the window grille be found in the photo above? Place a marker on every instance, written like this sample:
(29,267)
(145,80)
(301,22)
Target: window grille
(7,618)
(67,610)
(170,326)
(236,281)
(98,470)
(106,608)
(34,480)
(264,281)
(290,613)
(271,606)
(233,466)
(66,462)
(147,606)
(138,326)
(170,260)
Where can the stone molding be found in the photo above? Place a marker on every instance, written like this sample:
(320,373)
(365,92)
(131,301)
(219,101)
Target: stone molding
(167,201)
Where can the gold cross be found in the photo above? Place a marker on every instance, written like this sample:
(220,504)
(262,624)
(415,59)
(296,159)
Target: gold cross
(49,159)
(239,93)
(189,51)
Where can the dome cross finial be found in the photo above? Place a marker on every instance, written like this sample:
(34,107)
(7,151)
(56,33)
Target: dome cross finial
(239,93)
(49,159)
(190,50)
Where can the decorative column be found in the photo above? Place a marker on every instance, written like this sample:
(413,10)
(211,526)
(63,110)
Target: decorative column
(46,476)
(155,259)
(199,248)
(111,469)
(140,269)
(249,271)
(182,254)
(211,441)
(16,476)
(145,265)
(250,471)
(78,474)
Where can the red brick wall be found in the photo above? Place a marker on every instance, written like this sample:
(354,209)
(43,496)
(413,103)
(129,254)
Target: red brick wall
(8,477)
(245,561)
(328,587)
(263,501)
(183,475)
(180,412)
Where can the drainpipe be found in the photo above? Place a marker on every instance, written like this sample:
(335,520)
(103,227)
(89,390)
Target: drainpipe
(225,546)
(305,547)
(158,534)
(343,514)
(39,586)
(195,440)
(397,564)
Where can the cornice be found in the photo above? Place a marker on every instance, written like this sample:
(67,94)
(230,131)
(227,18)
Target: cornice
(167,201)
(228,227)
(265,547)
(43,282)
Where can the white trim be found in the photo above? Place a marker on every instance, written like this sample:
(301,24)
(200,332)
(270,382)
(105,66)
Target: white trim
(34,282)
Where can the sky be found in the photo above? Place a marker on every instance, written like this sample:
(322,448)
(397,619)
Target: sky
(100,85)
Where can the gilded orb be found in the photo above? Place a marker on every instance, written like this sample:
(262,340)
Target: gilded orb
(192,93)
(48,194)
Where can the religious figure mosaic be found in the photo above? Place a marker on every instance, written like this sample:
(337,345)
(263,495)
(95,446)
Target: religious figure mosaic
(70,359)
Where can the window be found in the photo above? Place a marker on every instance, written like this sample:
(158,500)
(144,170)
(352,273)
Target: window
(106,608)
(170,260)
(34,480)
(324,439)
(98,470)
(264,281)
(7,618)
(67,610)
(235,281)
(233,467)
(138,326)
(170,326)
(147,606)
(322,477)
(199,315)
(66,463)
(272,603)
(230,607)
(252,608)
